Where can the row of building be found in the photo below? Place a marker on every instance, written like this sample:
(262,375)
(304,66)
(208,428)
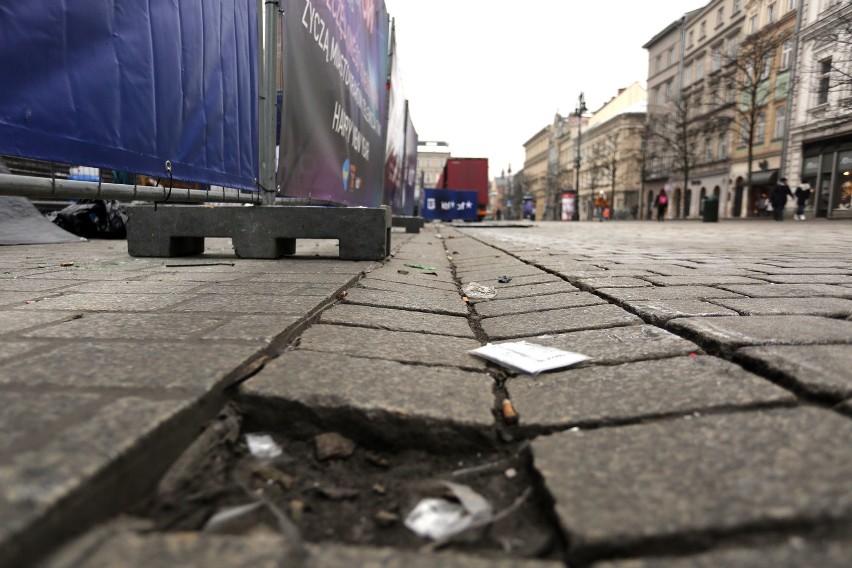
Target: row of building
(739,94)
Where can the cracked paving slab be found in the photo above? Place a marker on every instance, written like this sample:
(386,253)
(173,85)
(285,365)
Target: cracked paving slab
(384,400)
(397,320)
(671,482)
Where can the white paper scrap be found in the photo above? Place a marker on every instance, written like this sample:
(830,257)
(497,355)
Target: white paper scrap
(528,358)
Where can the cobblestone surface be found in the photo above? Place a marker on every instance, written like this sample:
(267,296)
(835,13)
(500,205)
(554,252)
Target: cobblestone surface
(712,409)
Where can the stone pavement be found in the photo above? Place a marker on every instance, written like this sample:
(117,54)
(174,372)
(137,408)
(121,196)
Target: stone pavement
(710,427)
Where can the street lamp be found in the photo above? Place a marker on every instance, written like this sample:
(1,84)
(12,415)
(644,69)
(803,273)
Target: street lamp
(581,108)
(509,193)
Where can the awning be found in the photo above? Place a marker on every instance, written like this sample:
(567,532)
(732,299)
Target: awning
(764,177)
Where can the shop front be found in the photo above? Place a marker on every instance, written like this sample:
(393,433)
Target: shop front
(827,167)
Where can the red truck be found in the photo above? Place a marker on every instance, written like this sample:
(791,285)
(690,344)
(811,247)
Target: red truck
(467,174)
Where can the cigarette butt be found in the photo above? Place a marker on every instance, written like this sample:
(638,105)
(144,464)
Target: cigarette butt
(509,413)
(465,299)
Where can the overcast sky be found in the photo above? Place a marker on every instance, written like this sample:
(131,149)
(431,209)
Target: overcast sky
(486,75)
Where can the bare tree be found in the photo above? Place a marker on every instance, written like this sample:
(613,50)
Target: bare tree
(605,156)
(751,68)
(678,135)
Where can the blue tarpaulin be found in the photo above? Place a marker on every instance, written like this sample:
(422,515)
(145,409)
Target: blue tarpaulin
(129,84)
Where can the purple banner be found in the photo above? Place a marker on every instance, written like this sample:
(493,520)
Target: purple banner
(335,100)
(395,145)
(408,197)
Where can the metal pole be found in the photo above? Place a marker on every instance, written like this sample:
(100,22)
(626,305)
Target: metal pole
(785,143)
(581,107)
(47,188)
(268,101)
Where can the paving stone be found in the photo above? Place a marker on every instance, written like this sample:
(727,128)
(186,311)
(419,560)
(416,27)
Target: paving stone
(619,344)
(19,299)
(197,277)
(134,287)
(108,547)
(254,327)
(557,321)
(594,396)
(542,278)
(795,552)
(306,278)
(574,274)
(731,333)
(397,320)
(789,290)
(131,365)
(41,478)
(505,292)
(386,400)
(666,293)
(14,320)
(820,370)
(701,280)
(107,302)
(130,326)
(247,304)
(491,273)
(376,280)
(800,270)
(30,285)
(436,302)
(504,307)
(672,482)
(611,282)
(409,289)
(24,413)
(11,349)
(659,312)
(392,345)
(252,288)
(843,279)
(828,307)
(323,556)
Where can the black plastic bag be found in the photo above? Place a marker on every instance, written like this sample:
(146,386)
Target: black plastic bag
(93,219)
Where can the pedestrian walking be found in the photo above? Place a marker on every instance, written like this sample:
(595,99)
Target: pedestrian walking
(803,194)
(778,198)
(662,203)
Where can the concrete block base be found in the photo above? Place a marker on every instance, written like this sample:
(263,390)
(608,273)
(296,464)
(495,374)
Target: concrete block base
(411,224)
(257,232)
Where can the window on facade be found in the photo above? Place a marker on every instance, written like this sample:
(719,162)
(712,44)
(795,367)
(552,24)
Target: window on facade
(743,134)
(733,46)
(708,149)
(668,91)
(699,68)
(670,57)
(752,24)
(760,129)
(716,58)
(770,13)
(690,39)
(702,30)
(687,74)
(831,3)
(824,81)
(780,121)
(736,6)
(720,16)
(723,146)
(765,67)
(786,52)
(655,96)
(659,63)
(791,5)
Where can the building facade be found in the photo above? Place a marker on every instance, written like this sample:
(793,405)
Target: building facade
(431,159)
(820,148)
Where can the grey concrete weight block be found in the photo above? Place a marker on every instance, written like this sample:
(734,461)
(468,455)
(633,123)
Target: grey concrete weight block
(411,224)
(257,232)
